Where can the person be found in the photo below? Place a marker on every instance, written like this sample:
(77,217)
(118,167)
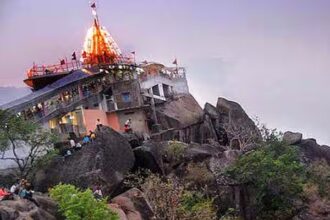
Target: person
(72,143)
(78,146)
(127,125)
(98,124)
(4,195)
(14,189)
(98,193)
(27,193)
(86,140)
(92,136)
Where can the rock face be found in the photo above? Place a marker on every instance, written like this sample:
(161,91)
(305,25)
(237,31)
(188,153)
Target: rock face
(227,123)
(23,209)
(292,138)
(103,162)
(311,151)
(181,112)
(132,205)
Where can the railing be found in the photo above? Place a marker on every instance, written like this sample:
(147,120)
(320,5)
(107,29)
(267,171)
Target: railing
(41,70)
(167,72)
(53,69)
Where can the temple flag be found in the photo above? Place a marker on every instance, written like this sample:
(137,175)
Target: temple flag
(74,57)
(133,52)
(175,62)
(93,5)
(62,62)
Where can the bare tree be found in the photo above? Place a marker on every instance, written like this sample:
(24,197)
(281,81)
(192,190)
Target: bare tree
(18,135)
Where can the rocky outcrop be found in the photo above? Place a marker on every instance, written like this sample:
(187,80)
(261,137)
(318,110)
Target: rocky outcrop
(103,162)
(132,205)
(227,123)
(292,138)
(180,112)
(25,209)
(311,151)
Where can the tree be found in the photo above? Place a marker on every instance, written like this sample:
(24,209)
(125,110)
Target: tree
(17,135)
(275,176)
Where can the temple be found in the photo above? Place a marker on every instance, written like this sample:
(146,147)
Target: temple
(103,84)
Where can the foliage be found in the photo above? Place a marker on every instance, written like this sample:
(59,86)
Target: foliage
(136,179)
(197,174)
(76,204)
(18,134)
(231,214)
(176,150)
(164,196)
(276,176)
(170,200)
(194,205)
(319,175)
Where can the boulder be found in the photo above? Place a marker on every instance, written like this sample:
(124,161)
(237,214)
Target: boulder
(150,156)
(134,205)
(311,151)
(25,209)
(236,122)
(180,112)
(292,138)
(211,111)
(104,162)
(133,139)
(199,153)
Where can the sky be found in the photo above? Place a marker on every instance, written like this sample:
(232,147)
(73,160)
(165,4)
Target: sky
(271,56)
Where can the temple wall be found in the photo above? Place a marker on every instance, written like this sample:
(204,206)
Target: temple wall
(91,115)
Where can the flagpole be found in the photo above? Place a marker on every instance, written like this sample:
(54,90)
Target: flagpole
(66,62)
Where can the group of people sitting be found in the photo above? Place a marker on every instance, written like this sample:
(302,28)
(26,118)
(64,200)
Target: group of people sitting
(21,189)
(75,146)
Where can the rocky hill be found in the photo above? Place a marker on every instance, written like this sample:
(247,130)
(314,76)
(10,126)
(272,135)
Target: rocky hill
(193,149)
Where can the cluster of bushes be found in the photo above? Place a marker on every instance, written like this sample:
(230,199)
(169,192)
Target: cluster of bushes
(76,204)
(278,185)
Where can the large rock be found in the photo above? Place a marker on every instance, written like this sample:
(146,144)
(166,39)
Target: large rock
(24,209)
(104,162)
(150,156)
(180,112)
(134,205)
(292,138)
(311,151)
(236,122)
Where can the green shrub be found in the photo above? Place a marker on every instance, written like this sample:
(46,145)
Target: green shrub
(176,150)
(76,204)
(275,176)
(194,205)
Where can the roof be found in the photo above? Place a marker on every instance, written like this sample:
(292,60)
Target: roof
(37,96)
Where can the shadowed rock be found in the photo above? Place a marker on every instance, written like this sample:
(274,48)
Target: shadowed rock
(103,162)
(24,209)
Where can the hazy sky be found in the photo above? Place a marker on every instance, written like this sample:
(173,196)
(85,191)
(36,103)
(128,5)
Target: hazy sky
(271,56)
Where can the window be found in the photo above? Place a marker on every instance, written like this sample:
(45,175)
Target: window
(155,90)
(126,97)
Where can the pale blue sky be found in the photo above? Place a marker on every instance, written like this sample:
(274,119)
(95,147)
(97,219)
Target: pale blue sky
(271,56)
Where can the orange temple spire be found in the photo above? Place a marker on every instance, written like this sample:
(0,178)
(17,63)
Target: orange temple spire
(99,46)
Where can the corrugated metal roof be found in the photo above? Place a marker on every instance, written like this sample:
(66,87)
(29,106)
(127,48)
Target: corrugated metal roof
(37,96)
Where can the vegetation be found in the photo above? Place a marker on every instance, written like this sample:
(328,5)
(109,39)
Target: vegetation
(319,176)
(76,204)
(22,142)
(170,200)
(274,174)
(176,150)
